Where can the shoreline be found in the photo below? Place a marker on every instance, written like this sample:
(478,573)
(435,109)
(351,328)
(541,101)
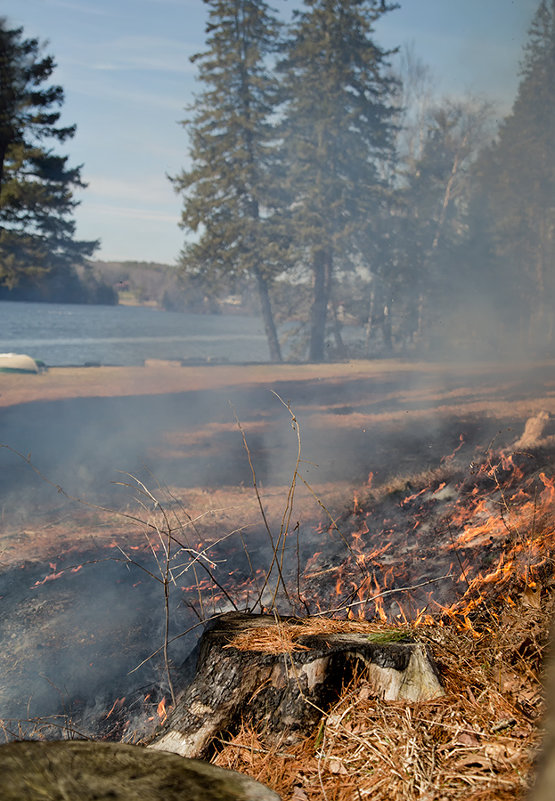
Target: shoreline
(160,377)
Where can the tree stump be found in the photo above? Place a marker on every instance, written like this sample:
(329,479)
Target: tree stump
(87,771)
(282,675)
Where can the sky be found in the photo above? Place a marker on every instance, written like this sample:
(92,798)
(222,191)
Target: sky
(124,66)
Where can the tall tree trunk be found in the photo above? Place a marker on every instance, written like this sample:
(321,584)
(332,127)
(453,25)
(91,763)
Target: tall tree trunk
(321,271)
(340,349)
(542,259)
(386,328)
(421,313)
(379,316)
(370,322)
(3,151)
(268,317)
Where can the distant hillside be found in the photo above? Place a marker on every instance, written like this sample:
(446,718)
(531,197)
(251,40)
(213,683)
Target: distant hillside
(138,282)
(146,283)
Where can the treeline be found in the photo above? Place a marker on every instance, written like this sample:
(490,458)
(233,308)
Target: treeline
(39,253)
(343,192)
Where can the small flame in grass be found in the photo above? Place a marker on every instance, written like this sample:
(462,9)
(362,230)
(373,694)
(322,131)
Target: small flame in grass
(118,703)
(162,710)
(413,497)
(339,586)
(451,456)
(56,575)
(549,493)
(500,528)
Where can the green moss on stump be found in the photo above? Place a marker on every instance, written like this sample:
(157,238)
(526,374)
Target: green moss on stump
(391,635)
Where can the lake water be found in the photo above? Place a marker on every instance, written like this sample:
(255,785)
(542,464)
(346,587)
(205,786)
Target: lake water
(62,334)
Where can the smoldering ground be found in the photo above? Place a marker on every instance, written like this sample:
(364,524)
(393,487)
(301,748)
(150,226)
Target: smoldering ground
(73,640)
(190,439)
(69,642)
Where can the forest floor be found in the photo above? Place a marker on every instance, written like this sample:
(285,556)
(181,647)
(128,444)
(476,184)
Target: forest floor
(383,425)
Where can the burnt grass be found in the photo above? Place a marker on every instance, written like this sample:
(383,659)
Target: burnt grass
(71,633)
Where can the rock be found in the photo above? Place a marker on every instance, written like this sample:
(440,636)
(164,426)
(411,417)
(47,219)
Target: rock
(82,770)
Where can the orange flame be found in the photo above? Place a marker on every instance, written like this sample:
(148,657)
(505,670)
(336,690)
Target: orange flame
(162,710)
(118,703)
(452,455)
(548,494)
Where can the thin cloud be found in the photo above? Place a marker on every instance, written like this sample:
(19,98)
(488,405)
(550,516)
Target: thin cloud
(83,8)
(94,87)
(155,53)
(157,190)
(130,213)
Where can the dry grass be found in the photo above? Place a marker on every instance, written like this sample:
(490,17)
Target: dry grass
(476,743)
(73,527)
(82,382)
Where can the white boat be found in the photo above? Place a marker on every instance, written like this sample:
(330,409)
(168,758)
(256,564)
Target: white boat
(18,363)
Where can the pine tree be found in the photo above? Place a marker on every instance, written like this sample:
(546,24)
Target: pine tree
(227,191)
(36,183)
(517,180)
(336,134)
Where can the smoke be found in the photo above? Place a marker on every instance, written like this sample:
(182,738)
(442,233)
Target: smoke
(190,439)
(68,643)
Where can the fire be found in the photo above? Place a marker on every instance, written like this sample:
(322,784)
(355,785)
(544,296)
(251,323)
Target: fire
(413,497)
(447,548)
(162,710)
(56,574)
(339,586)
(451,456)
(549,492)
(118,703)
